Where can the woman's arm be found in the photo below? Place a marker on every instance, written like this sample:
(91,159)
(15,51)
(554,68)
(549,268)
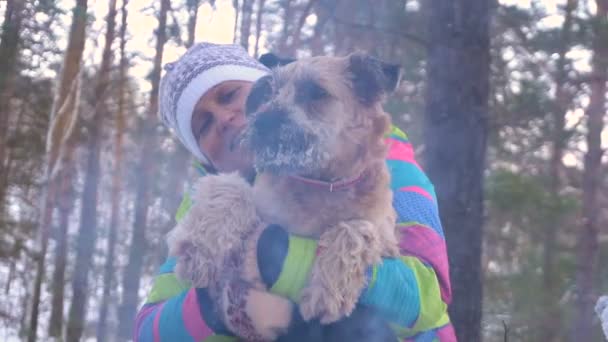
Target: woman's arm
(412,291)
(175,312)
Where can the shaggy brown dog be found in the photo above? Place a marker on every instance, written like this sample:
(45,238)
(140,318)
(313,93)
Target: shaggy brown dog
(321,119)
(316,130)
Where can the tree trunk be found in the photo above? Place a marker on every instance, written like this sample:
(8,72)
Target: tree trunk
(297,32)
(24,316)
(178,163)
(323,15)
(43,237)
(340,37)
(65,206)
(9,50)
(117,175)
(181,157)
(258,27)
(552,315)
(587,242)
(287,16)
(246,23)
(145,173)
(193,15)
(63,118)
(237,9)
(455,140)
(88,214)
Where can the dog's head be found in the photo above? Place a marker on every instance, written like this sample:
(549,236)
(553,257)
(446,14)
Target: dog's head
(309,114)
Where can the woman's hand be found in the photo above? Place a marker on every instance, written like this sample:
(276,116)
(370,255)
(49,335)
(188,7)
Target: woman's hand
(247,308)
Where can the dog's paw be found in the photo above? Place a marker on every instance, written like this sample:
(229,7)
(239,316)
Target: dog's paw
(328,307)
(318,303)
(339,272)
(194,265)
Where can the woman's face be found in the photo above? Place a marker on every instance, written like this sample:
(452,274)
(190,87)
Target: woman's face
(217,121)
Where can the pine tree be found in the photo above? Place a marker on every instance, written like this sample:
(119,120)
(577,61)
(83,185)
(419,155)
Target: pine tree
(587,240)
(247,12)
(455,139)
(63,118)
(552,315)
(87,232)
(117,175)
(9,51)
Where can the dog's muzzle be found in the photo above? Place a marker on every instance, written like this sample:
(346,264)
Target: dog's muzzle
(266,128)
(269,122)
(276,141)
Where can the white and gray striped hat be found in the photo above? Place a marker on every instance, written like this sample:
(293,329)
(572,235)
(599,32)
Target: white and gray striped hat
(202,67)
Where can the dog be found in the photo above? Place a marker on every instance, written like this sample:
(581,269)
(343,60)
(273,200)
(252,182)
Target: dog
(316,125)
(316,129)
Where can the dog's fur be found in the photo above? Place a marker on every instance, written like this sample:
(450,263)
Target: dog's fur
(319,118)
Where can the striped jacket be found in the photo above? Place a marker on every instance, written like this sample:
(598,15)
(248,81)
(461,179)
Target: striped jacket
(412,292)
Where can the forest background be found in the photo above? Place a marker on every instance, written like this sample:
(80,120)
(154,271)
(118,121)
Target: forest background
(504,101)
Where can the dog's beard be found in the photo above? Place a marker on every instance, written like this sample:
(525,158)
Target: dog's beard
(288,149)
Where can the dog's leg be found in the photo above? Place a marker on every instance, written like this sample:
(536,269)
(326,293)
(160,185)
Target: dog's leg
(339,272)
(214,229)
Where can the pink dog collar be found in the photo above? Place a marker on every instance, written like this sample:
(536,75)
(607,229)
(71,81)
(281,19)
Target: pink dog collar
(331,186)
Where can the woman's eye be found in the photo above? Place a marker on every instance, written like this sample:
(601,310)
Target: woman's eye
(226,98)
(205,124)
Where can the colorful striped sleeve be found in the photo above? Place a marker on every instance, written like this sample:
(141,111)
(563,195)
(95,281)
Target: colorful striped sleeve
(422,243)
(174,311)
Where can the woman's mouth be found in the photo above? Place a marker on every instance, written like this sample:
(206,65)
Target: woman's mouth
(236,140)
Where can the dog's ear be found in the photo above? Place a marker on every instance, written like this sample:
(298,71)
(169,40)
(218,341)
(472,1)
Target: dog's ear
(270,60)
(372,77)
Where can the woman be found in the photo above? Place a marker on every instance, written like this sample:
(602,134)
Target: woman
(202,99)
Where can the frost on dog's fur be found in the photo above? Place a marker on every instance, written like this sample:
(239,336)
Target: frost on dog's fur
(300,147)
(222,214)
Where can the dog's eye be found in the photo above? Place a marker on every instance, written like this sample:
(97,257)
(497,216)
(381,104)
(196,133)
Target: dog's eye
(310,91)
(317,93)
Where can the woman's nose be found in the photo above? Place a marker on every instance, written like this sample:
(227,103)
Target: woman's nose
(232,119)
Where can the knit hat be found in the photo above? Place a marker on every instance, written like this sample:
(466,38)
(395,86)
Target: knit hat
(202,67)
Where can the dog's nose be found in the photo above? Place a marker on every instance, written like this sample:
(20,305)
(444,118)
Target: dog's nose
(269,121)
